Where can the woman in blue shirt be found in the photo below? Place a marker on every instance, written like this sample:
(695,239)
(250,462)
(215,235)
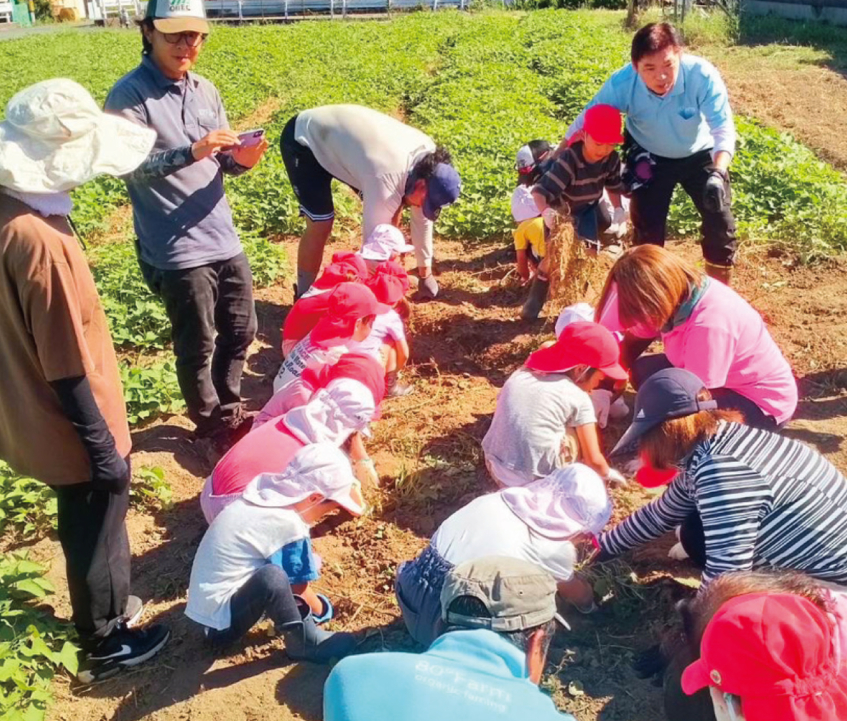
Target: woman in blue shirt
(679,131)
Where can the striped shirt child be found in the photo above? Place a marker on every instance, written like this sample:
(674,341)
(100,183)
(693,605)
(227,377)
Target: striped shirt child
(570,178)
(766,501)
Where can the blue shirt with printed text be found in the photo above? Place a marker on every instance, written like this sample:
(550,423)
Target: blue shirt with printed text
(468,675)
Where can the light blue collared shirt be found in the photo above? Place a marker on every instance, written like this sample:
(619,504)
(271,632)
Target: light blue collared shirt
(694,116)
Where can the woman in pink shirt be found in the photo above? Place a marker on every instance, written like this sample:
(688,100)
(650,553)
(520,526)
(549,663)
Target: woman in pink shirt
(706,328)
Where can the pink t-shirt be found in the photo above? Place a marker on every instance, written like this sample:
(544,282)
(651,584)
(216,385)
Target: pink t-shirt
(726,344)
(268,449)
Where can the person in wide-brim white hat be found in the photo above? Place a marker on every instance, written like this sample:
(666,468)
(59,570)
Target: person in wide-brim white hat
(55,138)
(62,407)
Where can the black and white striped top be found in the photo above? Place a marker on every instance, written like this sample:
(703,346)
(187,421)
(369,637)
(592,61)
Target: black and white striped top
(766,501)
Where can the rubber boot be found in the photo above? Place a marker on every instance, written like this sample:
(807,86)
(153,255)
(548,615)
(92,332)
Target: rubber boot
(536,299)
(304,641)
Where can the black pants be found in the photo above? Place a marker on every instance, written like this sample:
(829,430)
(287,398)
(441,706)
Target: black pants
(727,399)
(651,204)
(213,321)
(92,531)
(267,591)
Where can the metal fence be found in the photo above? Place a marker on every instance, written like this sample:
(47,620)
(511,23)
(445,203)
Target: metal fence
(285,9)
(237,10)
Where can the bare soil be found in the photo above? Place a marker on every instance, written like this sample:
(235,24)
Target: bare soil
(426,448)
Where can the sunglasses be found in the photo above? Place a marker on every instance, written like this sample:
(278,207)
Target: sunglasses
(192,40)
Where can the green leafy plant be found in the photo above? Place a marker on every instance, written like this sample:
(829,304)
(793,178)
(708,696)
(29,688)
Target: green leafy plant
(26,505)
(152,391)
(151,488)
(33,647)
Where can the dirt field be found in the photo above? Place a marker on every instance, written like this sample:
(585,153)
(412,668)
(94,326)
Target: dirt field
(427,451)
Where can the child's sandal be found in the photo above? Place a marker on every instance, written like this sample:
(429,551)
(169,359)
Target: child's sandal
(328,612)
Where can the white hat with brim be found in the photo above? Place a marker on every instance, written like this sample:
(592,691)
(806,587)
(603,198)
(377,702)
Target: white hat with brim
(318,468)
(54,138)
(178,16)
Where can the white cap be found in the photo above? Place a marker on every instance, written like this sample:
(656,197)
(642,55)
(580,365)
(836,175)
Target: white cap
(334,413)
(384,242)
(572,314)
(525,160)
(178,16)
(318,468)
(55,138)
(568,502)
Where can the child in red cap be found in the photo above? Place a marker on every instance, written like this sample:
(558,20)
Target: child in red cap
(387,341)
(346,267)
(351,310)
(545,403)
(769,657)
(574,183)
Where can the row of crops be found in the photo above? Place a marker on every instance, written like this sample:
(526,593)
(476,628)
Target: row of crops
(481,84)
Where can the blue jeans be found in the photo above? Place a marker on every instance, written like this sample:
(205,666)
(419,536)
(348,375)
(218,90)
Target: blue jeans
(418,589)
(266,592)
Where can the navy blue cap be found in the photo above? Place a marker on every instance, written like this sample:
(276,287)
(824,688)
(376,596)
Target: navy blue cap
(442,188)
(670,393)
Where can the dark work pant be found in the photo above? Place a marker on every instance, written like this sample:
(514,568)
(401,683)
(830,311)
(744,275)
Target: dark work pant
(651,204)
(213,321)
(727,399)
(267,591)
(92,531)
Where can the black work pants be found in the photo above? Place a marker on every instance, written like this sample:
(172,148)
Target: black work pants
(92,531)
(213,320)
(651,203)
(267,591)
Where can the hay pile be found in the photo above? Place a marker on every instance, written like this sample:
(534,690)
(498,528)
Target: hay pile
(575,274)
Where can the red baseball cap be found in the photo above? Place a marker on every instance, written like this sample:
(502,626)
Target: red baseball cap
(775,652)
(336,273)
(387,289)
(603,124)
(354,261)
(347,303)
(392,267)
(581,343)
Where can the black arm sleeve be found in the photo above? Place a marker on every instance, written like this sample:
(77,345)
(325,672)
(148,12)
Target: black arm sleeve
(161,164)
(81,410)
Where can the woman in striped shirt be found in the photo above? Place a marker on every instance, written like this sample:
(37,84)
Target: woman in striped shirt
(746,498)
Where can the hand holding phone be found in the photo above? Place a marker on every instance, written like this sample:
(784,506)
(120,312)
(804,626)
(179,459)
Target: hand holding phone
(251,137)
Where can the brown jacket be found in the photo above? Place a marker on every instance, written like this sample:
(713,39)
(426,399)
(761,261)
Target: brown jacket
(52,326)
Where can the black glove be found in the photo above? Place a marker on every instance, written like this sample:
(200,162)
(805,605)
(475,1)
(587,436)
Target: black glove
(714,192)
(109,471)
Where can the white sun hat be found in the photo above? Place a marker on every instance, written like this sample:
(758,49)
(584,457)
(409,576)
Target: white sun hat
(55,138)
(178,16)
(570,501)
(318,468)
(384,242)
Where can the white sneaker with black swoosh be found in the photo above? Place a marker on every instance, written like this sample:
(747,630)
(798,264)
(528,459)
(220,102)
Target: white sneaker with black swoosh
(123,648)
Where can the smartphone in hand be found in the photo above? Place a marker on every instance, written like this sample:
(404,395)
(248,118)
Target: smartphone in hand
(251,137)
(248,139)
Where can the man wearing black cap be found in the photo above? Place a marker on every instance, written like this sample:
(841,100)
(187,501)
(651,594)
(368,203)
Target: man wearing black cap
(499,616)
(390,164)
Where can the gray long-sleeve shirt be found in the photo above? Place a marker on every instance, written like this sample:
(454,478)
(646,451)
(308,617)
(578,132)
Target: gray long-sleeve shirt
(181,214)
